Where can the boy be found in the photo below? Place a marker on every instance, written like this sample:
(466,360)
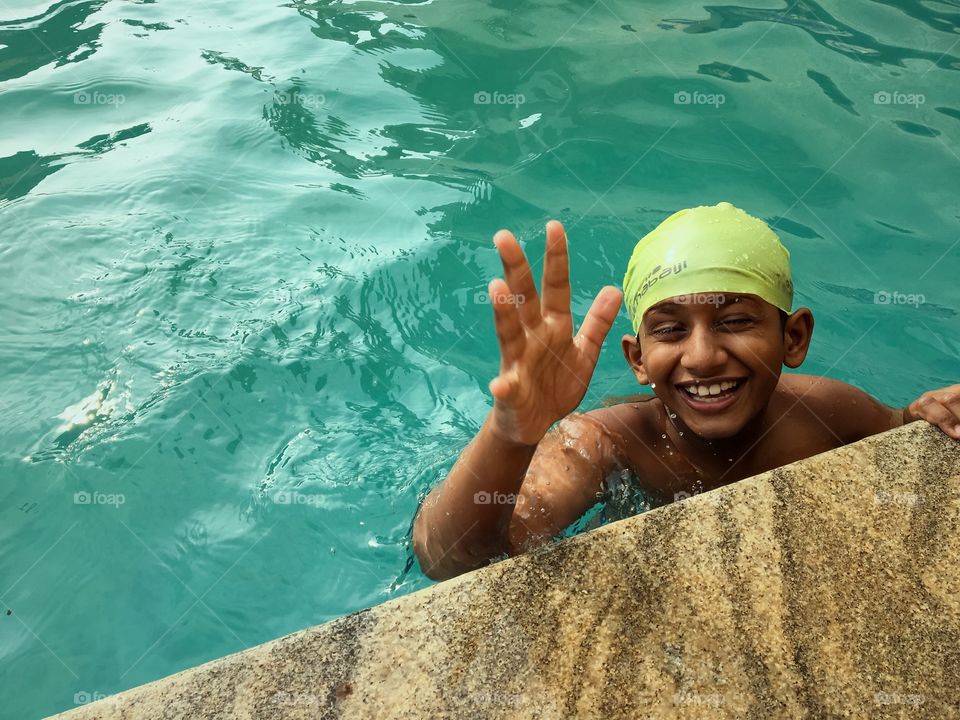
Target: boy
(709,294)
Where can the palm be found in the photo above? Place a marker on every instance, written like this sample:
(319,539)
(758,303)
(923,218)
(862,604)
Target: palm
(544,368)
(553,373)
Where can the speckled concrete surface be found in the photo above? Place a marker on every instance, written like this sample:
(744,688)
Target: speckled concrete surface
(827,588)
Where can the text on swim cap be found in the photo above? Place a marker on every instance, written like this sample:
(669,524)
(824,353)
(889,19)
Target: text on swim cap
(658,273)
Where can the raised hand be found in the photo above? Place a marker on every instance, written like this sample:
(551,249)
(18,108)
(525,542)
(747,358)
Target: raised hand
(544,368)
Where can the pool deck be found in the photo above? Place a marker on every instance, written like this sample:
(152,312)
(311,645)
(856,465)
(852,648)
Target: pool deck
(826,588)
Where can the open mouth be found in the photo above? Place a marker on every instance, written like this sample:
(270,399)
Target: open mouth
(712,396)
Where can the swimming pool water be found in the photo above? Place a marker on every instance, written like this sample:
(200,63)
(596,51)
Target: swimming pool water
(244,249)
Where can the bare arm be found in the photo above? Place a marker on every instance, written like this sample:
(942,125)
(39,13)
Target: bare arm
(463,521)
(544,374)
(526,498)
(565,479)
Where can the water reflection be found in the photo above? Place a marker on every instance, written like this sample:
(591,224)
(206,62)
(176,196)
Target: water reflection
(59,35)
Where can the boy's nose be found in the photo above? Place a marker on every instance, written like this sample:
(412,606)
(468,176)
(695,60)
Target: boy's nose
(702,355)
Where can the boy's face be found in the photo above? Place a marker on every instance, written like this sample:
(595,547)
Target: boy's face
(709,340)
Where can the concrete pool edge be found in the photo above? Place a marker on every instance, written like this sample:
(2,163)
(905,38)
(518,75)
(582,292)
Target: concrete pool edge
(826,587)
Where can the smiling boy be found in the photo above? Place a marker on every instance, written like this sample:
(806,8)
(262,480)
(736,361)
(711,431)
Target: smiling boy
(709,293)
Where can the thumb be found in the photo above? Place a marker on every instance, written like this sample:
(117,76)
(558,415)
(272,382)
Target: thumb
(600,318)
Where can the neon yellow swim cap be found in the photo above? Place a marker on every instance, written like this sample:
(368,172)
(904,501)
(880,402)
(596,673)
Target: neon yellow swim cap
(707,249)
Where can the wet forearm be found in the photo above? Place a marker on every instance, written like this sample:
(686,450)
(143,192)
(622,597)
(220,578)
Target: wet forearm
(465,520)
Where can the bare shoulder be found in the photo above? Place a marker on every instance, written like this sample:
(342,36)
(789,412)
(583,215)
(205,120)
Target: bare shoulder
(567,473)
(565,478)
(849,412)
(633,416)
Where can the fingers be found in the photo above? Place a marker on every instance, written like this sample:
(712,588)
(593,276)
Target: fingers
(519,278)
(950,399)
(603,311)
(506,321)
(555,285)
(942,411)
(948,412)
(503,386)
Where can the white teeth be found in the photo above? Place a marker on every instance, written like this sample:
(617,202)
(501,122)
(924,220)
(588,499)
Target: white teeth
(714,389)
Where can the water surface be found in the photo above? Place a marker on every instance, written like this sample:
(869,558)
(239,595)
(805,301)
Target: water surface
(244,249)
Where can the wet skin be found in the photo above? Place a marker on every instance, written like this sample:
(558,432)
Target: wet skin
(544,479)
(674,449)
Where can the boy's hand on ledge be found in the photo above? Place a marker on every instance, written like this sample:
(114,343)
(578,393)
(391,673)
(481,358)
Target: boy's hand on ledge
(544,368)
(937,407)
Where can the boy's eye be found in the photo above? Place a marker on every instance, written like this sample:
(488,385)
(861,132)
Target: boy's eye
(666,330)
(671,329)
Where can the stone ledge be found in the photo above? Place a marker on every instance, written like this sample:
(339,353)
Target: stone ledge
(825,588)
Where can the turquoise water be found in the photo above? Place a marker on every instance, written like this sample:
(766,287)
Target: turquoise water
(244,248)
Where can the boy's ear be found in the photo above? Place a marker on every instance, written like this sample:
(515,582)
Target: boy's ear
(797,333)
(631,351)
